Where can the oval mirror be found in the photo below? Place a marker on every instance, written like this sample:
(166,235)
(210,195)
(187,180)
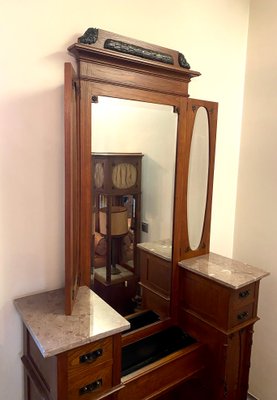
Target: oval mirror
(198,178)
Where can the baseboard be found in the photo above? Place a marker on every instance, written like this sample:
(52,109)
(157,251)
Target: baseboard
(251,397)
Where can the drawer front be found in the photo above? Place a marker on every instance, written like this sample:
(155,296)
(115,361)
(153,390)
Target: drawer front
(92,384)
(240,315)
(89,356)
(243,296)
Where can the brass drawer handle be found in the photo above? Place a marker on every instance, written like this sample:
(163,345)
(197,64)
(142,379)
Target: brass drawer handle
(90,387)
(90,357)
(243,315)
(244,293)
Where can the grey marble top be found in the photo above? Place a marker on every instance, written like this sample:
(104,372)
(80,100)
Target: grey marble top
(226,271)
(54,332)
(160,248)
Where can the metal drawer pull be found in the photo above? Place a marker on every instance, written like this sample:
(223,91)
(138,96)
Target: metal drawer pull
(242,315)
(90,357)
(244,294)
(90,387)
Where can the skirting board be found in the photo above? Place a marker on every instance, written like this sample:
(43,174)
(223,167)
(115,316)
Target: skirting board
(251,397)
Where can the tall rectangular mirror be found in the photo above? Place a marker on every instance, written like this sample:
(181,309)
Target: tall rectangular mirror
(133,172)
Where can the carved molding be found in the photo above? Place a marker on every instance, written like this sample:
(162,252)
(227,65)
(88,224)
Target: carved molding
(127,48)
(89,37)
(182,61)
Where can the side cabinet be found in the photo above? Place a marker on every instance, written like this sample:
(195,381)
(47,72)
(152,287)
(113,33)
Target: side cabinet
(86,372)
(223,319)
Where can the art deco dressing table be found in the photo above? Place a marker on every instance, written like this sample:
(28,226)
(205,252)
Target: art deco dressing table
(186,333)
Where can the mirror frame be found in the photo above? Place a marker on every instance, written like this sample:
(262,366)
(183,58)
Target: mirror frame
(113,65)
(212,109)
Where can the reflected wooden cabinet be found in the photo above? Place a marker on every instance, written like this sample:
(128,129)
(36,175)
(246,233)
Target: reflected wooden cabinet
(116,222)
(155,279)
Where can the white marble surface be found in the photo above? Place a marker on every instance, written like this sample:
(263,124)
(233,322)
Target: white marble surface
(226,271)
(160,248)
(54,332)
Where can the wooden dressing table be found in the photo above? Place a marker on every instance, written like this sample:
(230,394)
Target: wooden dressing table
(199,347)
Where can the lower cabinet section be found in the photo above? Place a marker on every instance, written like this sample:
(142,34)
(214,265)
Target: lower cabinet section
(222,318)
(206,356)
(228,359)
(151,368)
(89,372)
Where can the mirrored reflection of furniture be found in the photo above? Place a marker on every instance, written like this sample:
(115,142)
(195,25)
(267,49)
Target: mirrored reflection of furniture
(116,215)
(149,128)
(155,276)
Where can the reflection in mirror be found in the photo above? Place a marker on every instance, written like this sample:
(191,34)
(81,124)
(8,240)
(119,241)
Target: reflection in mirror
(198,178)
(133,162)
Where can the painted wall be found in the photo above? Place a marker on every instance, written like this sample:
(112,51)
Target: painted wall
(255,239)
(34,36)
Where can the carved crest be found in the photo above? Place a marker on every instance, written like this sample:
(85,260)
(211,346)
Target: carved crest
(138,51)
(182,61)
(89,37)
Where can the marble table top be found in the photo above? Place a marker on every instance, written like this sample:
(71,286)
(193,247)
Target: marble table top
(160,248)
(226,271)
(54,332)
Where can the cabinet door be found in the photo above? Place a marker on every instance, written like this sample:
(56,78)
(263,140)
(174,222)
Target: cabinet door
(72,187)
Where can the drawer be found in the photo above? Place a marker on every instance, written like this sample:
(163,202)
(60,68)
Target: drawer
(240,315)
(243,296)
(92,384)
(221,306)
(89,355)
